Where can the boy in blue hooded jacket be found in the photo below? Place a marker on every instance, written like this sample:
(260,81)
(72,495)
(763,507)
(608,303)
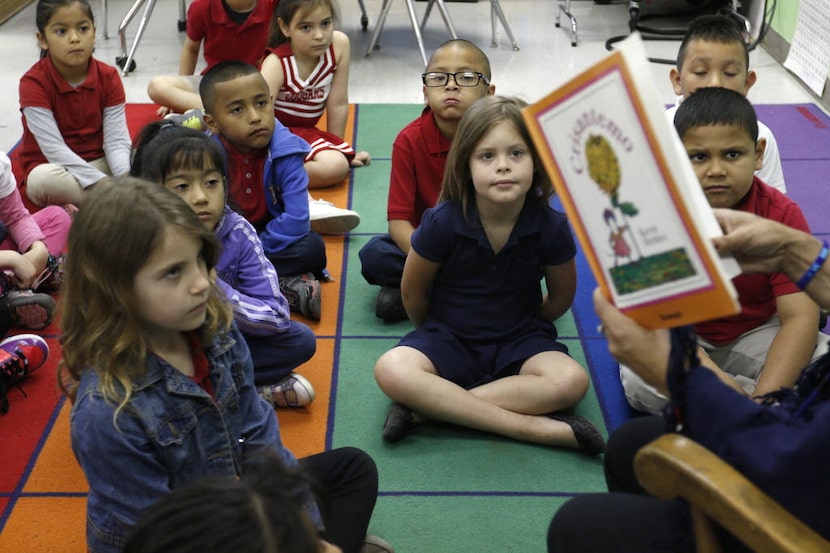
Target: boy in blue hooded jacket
(268,183)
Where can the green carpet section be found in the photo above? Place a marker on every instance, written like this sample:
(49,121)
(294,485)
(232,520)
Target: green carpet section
(468,524)
(443,489)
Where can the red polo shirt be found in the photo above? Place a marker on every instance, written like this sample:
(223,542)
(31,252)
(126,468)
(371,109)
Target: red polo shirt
(419,155)
(246,192)
(757,293)
(208,22)
(78,110)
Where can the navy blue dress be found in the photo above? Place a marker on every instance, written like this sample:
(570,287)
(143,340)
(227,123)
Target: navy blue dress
(483,320)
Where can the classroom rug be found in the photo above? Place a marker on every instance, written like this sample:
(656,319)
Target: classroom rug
(442,489)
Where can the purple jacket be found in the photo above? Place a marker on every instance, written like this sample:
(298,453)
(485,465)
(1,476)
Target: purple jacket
(248,278)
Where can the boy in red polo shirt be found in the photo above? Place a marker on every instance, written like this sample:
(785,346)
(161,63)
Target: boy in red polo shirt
(419,155)
(765,346)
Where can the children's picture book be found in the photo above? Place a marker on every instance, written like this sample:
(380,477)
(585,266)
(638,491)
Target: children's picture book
(631,194)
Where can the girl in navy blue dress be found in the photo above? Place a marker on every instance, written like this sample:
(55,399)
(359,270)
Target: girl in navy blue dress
(484,353)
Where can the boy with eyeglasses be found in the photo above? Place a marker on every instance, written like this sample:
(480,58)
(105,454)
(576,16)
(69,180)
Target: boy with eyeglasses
(457,75)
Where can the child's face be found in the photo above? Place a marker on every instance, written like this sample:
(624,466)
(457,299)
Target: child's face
(243,112)
(310,33)
(712,64)
(203,189)
(172,287)
(69,37)
(449,102)
(501,166)
(725,159)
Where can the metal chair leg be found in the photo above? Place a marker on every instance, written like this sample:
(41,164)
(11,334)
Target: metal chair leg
(496,11)
(445,15)
(416,27)
(410,7)
(384,11)
(566,9)
(364,19)
(126,63)
(104,18)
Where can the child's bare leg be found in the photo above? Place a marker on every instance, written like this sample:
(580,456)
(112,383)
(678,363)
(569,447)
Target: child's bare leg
(173,92)
(408,377)
(328,168)
(547,382)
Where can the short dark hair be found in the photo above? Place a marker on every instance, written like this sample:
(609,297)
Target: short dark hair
(712,28)
(162,146)
(716,106)
(221,72)
(262,512)
(467,45)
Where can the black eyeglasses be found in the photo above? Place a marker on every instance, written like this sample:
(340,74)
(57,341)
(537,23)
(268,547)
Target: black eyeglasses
(461,78)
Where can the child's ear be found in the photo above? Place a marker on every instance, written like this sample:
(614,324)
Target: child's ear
(760,147)
(283,27)
(41,41)
(211,123)
(674,77)
(751,77)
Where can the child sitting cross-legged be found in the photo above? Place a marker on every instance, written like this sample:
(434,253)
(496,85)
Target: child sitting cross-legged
(484,353)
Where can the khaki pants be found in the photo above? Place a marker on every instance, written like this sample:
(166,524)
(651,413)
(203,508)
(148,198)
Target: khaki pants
(743,359)
(52,184)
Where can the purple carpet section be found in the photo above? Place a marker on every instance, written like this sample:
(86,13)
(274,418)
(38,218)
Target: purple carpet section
(803,135)
(802,132)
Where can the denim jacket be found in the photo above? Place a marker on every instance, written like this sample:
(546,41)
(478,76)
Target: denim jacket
(170,433)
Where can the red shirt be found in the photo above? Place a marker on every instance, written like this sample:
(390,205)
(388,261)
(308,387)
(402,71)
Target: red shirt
(757,293)
(201,365)
(246,192)
(208,22)
(78,110)
(419,155)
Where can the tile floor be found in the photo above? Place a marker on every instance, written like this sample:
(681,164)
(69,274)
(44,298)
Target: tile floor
(391,74)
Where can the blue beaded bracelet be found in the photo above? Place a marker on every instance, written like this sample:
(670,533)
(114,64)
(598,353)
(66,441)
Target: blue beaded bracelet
(814,268)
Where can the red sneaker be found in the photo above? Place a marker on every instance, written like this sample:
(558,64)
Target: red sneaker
(20,355)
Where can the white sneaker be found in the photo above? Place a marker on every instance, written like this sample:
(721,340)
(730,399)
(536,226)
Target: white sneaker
(327,219)
(292,391)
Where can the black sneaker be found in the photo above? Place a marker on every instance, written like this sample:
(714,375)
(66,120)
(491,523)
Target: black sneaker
(29,309)
(303,294)
(389,305)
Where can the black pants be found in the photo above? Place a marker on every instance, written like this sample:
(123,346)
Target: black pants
(348,480)
(627,519)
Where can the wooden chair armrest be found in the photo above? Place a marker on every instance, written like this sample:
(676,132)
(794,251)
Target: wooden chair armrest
(673,466)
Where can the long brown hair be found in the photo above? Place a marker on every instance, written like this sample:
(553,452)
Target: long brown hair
(118,228)
(477,121)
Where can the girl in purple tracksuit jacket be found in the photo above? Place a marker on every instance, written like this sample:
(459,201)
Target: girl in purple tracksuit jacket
(192,166)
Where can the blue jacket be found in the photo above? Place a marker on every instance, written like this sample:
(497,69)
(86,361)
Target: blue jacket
(249,279)
(286,189)
(171,433)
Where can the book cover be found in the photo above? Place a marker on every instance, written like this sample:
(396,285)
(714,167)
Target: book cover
(631,194)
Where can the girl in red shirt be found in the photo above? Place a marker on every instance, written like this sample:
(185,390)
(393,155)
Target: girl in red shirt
(74,124)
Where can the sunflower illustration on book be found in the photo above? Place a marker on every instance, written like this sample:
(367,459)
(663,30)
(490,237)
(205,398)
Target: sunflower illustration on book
(638,272)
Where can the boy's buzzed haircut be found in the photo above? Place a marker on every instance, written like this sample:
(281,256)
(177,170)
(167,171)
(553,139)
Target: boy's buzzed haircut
(220,73)
(712,28)
(483,59)
(716,106)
